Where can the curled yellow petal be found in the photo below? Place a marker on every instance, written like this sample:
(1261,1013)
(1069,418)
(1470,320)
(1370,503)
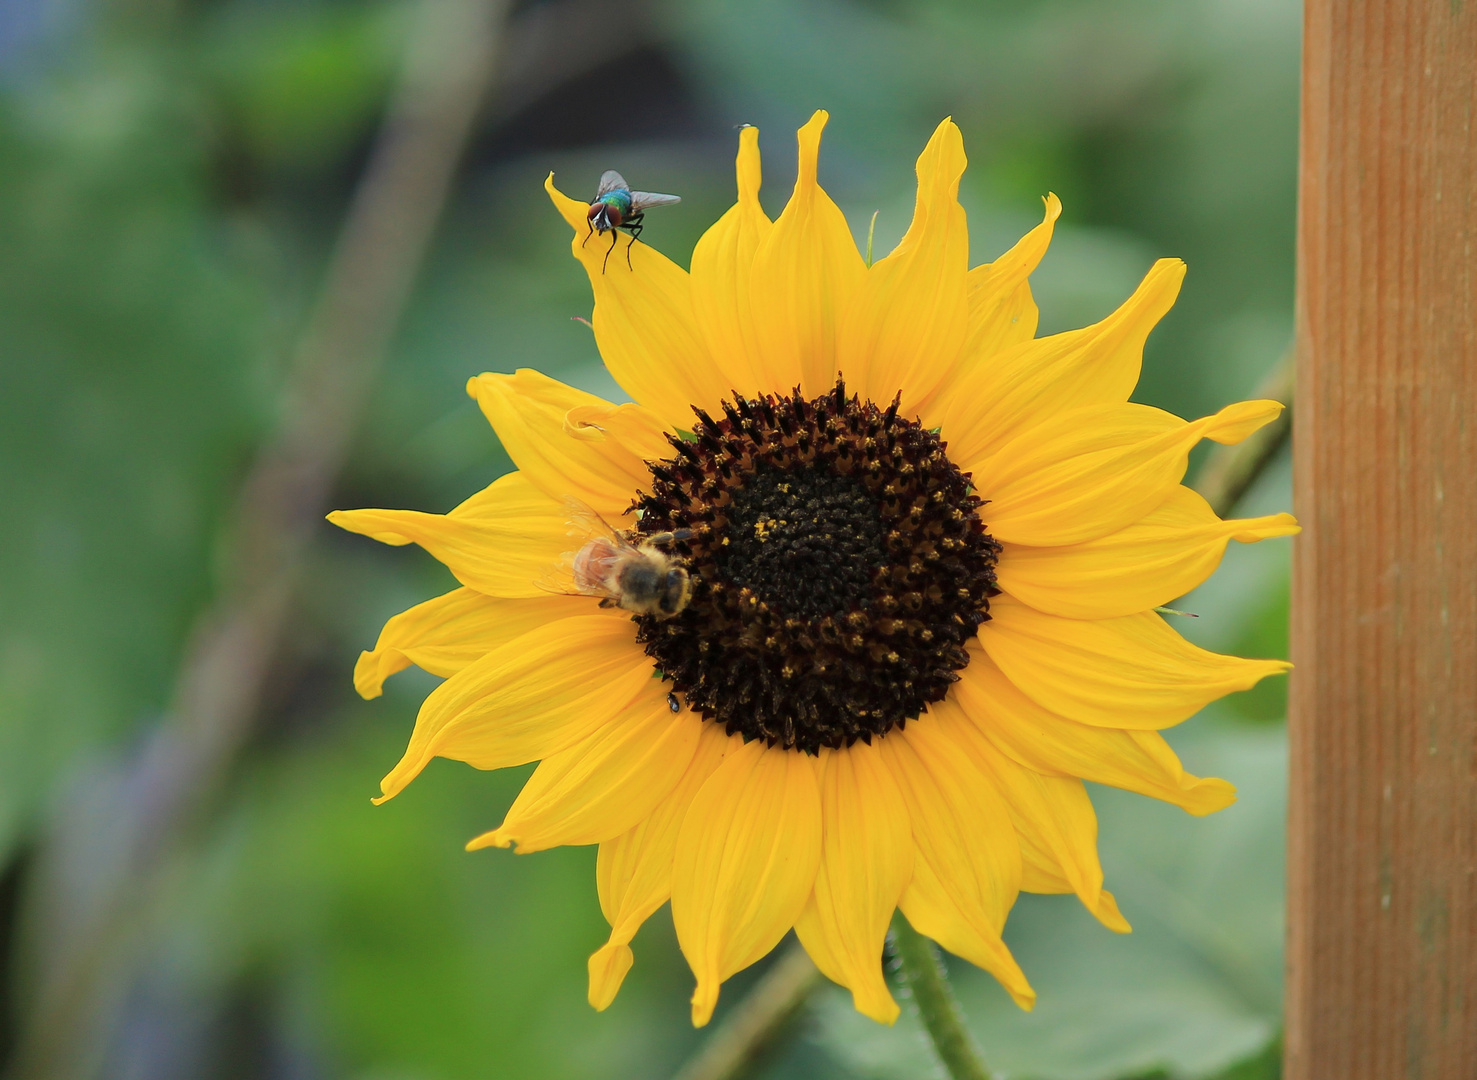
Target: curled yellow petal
(553,434)
(1164,555)
(1001,310)
(643,319)
(992,402)
(1131,672)
(1139,761)
(746,864)
(907,324)
(502,541)
(531,698)
(604,784)
(866,862)
(722,269)
(1098,469)
(633,872)
(806,272)
(445,634)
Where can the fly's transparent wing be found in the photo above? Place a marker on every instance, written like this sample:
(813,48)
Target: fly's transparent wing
(641,200)
(610,180)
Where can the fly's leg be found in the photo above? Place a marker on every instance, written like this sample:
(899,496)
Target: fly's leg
(613,235)
(589,232)
(635,226)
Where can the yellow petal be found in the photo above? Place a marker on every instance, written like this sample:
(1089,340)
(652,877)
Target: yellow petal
(907,325)
(746,863)
(1002,314)
(1001,311)
(446,634)
(634,870)
(643,319)
(1139,761)
(722,265)
(503,541)
(532,697)
(806,272)
(1163,555)
(1095,470)
(554,435)
(866,862)
(1054,820)
(992,402)
(1132,672)
(605,784)
(967,869)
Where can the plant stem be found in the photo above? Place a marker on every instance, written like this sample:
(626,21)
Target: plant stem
(1229,471)
(758,1019)
(923,968)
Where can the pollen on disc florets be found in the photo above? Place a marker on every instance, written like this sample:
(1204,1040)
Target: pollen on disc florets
(838,568)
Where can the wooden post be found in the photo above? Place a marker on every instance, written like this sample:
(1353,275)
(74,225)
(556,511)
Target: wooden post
(1382,944)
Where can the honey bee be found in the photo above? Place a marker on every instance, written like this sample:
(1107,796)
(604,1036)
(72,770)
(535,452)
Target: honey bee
(638,577)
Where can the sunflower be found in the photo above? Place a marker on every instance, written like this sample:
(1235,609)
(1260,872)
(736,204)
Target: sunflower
(912,555)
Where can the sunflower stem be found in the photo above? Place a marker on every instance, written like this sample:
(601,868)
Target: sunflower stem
(871,230)
(923,968)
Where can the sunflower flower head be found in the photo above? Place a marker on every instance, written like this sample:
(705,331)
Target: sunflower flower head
(839,614)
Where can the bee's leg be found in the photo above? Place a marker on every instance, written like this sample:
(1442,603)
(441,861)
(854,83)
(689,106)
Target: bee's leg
(613,236)
(670,537)
(607,602)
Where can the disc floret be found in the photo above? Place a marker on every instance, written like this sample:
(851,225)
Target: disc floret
(839,566)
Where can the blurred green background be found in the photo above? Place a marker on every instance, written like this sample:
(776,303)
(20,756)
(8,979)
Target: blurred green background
(172,175)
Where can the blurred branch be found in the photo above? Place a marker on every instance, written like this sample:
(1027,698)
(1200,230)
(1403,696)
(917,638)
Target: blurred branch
(757,1020)
(923,968)
(1230,471)
(94,946)
(555,43)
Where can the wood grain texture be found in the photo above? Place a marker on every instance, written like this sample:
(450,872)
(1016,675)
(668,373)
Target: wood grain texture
(1382,946)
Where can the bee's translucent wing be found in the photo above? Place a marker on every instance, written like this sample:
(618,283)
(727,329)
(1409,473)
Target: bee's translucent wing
(598,547)
(610,180)
(585,521)
(641,200)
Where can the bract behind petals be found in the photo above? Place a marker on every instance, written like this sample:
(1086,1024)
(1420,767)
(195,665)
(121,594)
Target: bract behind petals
(806,272)
(643,319)
(908,321)
(722,268)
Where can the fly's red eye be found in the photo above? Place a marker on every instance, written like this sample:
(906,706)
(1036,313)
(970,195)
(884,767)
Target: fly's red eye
(595,209)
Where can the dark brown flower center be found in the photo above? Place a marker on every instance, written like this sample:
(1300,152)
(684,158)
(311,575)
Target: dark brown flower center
(838,569)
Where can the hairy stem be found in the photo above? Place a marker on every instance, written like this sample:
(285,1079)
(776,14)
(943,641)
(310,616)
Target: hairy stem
(923,968)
